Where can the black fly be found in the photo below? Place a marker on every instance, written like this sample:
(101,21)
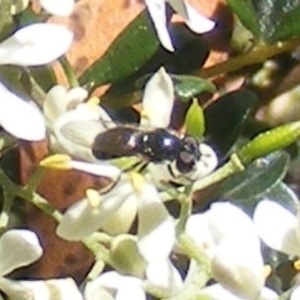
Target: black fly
(156,145)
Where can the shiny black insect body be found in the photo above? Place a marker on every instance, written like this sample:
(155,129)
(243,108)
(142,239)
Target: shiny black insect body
(157,145)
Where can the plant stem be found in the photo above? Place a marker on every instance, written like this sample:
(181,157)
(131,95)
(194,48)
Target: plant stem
(257,55)
(233,166)
(72,79)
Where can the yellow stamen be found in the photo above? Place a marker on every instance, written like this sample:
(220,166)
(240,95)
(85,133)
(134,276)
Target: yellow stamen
(267,271)
(138,182)
(144,114)
(93,198)
(296,265)
(93,101)
(57,161)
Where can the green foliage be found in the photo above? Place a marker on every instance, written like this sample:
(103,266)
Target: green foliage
(269,21)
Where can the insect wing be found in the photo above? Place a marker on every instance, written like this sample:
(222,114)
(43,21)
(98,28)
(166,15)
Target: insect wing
(116,142)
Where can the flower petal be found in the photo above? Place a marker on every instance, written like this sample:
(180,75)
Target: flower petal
(58,7)
(122,220)
(280,236)
(125,287)
(195,21)
(295,294)
(217,292)
(18,248)
(155,226)
(62,289)
(238,266)
(83,218)
(163,278)
(99,169)
(225,219)
(74,131)
(20,118)
(35,45)
(158,100)
(157,10)
(197,229)
(58,100)
(55,102)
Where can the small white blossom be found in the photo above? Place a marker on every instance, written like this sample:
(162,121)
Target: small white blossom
(195,21)
(58,7)
(283,236)
(20,118)
(89,214)
(19,248)
(228,236)
(35,45)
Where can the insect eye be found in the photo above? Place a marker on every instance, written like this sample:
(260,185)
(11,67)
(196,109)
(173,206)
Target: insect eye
(189,155)
(191,146)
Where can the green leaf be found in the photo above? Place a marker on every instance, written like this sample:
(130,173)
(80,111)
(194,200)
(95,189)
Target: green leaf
(249,186)
(226,118)
(194,120)
(246,13)
(270,21)
(130,50)
(188,87)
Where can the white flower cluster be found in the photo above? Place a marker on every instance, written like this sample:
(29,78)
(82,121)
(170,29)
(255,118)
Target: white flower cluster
(32,45)
(227,237)
(225,234)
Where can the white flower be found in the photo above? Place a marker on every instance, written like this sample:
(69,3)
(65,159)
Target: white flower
(90,213)
(20,118)
(19,248)
(58,7)
(35,45)
(112,285)
(154,225)
(73,125)
(195,21)
(278,227)
(228,236)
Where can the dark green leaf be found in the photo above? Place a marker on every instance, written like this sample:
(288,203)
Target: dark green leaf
(131,49)
(226,118)
(257,180)
(191,53)
(44,76)
(270,21)
(188,87)
(246,13)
